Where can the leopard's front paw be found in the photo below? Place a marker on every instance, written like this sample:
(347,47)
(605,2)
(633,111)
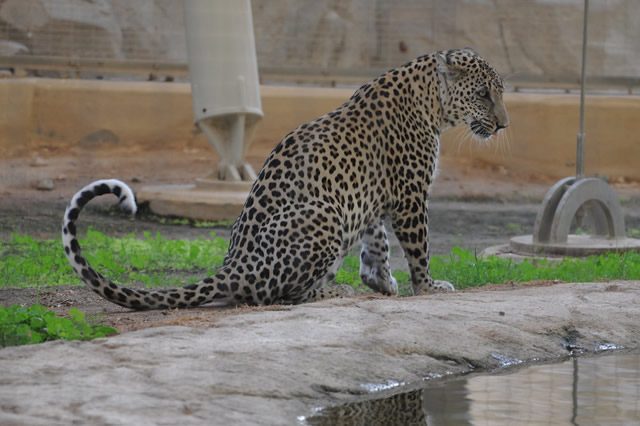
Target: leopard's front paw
(377,280)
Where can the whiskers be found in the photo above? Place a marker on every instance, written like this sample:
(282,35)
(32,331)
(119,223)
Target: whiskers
(499,143)
(463,136)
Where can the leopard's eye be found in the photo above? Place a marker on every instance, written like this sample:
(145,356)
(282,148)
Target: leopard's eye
(482,93)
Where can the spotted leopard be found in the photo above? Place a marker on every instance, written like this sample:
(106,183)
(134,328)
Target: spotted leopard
(329,184)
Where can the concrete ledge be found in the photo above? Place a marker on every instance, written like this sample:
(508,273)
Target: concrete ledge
(194,203)
(49,117)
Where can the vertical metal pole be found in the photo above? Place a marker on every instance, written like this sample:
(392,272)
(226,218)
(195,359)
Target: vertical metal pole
(574,392)
(580,145)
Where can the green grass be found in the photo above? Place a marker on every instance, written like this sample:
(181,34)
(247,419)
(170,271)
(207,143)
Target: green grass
(34,324)
(465,269)
(154,261)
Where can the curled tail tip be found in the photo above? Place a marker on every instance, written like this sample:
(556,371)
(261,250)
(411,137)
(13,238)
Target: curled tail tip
(81,198)
(125,195)
(119,189)
(105,186)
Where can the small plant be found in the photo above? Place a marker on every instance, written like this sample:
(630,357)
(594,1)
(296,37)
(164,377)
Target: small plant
(581,231)
(513,226)
(493,229)
(34,324)
(349,272)
(403,279)
(214,224)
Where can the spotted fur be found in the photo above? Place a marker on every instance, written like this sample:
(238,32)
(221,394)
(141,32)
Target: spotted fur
(329,184)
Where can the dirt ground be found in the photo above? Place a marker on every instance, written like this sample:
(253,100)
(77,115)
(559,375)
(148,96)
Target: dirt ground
(472,207)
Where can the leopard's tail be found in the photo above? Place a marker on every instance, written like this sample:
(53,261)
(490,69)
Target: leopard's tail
(193,295)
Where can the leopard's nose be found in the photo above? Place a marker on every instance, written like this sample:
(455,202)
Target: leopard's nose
(499,127)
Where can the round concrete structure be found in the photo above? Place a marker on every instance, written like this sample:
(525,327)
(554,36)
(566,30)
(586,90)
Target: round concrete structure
(523,246)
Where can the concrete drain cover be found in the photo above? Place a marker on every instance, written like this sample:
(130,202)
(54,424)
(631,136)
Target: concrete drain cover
(590,201)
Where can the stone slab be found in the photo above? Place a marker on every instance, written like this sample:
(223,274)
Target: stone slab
(223,203)
(275,366)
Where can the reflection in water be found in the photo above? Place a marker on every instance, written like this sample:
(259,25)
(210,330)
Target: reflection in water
(581,391)
(596,390)
(437,405)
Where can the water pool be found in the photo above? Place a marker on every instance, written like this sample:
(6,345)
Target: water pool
(601,390)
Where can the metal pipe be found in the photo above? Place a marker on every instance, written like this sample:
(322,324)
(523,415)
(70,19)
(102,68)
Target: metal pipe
(581,136)
(225,87)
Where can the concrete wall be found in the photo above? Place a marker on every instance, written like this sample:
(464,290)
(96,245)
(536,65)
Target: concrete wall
(59,117)
(516,36)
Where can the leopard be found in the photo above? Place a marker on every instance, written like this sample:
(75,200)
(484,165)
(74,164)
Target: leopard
(329,184)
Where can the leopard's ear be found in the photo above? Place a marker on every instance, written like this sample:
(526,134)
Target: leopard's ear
(447,67)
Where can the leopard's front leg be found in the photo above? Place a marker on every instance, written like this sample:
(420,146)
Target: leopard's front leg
(412,230)
(375,271)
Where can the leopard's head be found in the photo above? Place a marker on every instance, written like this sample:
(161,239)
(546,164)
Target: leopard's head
(471,93)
